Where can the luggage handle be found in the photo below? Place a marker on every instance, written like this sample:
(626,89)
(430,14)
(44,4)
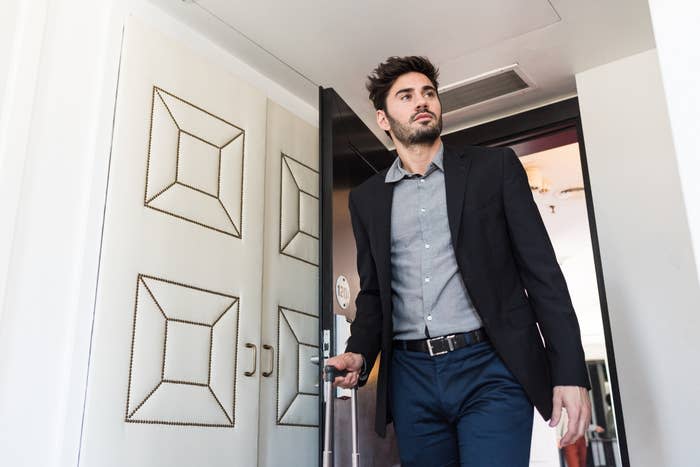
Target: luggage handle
(330,373)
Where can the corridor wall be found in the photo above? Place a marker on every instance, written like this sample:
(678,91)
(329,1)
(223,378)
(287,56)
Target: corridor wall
(646,250)
(63,83)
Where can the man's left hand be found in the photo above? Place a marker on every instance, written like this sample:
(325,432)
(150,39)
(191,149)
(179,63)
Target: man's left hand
(578,407)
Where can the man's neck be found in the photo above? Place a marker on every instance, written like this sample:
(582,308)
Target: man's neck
(416,158)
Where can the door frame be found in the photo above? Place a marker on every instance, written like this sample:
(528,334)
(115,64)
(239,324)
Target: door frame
(341,134)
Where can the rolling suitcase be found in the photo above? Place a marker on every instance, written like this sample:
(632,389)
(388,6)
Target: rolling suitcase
(330,373)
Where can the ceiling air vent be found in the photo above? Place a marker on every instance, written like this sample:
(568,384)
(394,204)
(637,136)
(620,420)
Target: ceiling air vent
(484,88)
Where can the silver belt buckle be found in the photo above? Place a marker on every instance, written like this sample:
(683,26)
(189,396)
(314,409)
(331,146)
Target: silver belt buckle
(442,352)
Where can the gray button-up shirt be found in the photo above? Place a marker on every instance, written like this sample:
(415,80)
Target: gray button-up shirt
(429,297)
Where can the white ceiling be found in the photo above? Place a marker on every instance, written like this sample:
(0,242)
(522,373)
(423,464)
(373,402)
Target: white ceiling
(307,43)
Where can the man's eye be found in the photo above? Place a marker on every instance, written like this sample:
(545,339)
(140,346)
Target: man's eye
(404,97)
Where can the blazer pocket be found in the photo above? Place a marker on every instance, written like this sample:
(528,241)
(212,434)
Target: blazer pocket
(521,316)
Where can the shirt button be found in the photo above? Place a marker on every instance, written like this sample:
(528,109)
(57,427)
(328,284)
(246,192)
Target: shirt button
(422,209)
(422,180)
(430,318)
(427,279)
(427,245)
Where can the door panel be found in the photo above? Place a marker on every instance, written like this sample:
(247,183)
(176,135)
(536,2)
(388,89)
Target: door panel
(353,154)
(177,319)
(289,395)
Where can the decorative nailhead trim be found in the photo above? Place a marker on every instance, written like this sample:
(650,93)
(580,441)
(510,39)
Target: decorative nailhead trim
(237,226)
(235,300)
(280,316)
(298,232)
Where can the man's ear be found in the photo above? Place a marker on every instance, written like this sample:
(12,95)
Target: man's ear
(382,120)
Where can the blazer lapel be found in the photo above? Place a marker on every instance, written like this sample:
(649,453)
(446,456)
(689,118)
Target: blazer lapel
(383,203)
(456,169)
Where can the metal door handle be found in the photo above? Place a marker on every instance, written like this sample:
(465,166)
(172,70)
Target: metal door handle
(272,360)
(255,358)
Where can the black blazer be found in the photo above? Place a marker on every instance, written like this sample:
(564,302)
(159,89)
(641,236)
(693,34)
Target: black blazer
(506,260)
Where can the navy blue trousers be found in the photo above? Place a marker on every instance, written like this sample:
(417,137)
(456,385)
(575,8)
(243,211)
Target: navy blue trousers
(463,408)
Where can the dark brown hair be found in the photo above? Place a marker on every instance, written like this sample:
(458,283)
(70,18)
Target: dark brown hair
(383,77)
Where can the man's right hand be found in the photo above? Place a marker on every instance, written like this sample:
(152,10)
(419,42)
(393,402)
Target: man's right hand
(352,362)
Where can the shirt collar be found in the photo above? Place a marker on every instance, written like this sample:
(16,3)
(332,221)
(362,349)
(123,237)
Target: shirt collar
(397,172)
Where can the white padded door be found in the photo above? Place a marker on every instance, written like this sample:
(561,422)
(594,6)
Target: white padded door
(288,391)
(180,273)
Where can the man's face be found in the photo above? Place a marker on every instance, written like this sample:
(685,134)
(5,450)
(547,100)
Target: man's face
(413,112)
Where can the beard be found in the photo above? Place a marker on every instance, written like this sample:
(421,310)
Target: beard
(424,134)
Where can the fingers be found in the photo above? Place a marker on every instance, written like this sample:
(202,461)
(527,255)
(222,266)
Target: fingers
(337,362)
(585,419)
(584,414)
(556,409)
(348,381)
(347,361)
(572,433)
(575,401)
(582,422)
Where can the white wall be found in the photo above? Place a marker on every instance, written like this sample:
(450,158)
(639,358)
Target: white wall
(21,33)
(58,86)
(63,123)
(647,256)
(676,31)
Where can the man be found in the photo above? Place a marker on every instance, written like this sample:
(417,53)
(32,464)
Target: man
(456,273)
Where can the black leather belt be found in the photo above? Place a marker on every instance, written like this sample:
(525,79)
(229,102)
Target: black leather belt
(443,344)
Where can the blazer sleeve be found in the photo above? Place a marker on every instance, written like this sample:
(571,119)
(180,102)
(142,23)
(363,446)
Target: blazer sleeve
(366,329)
(542,278)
